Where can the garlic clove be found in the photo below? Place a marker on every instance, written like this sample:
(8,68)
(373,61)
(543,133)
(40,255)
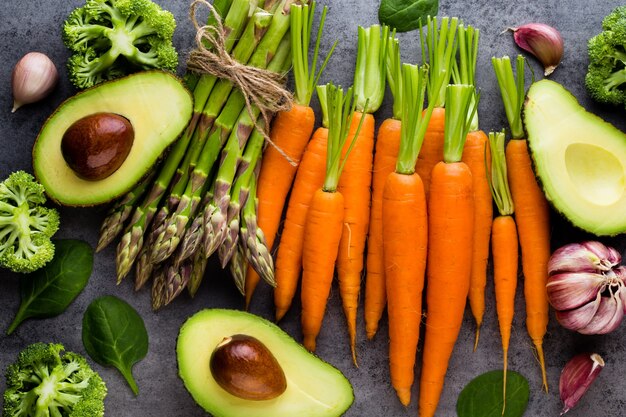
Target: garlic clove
(583,257)
(579,317)
(608,317)
(576,377)
(541,40)
(571,290)
(33,78)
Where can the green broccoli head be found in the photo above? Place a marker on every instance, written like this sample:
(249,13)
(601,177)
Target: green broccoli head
(111,38)
(44,381)
(26,226)
(606,74)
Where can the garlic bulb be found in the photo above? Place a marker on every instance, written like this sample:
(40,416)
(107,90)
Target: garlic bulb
(587,287)
(541,40)
(577,376)
(33,78)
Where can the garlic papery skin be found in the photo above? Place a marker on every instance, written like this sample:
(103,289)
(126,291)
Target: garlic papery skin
(587,287)
(34,77)
(571,290)
(588,256)
(541,40)
(576,377)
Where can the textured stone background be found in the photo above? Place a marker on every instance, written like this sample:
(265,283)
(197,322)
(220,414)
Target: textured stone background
(29,25)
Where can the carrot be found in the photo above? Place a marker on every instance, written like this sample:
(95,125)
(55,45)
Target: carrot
(309,178)
(476,156)
(450,222)
(355,183)
(385,155)
(290,133)
(404,220)
(531,207)
(504,248)
(325,217)
(441,47)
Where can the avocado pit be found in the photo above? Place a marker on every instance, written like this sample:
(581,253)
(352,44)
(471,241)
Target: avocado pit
(244,367)
(95,146)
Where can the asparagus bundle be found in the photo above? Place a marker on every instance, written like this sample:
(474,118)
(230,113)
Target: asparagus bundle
(208,177)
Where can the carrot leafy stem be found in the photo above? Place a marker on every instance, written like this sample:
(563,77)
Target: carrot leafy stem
(305,75)
(464,70)
(512,91)
(498,180)
(460,109)
(370,72)
(438,49)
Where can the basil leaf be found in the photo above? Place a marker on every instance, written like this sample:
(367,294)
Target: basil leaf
(483,396)
(405,15)
(114,334)
(48,291)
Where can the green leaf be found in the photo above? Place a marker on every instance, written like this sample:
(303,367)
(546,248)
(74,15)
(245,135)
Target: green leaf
(114,334)
(405,15)
(48,291)
(483,396)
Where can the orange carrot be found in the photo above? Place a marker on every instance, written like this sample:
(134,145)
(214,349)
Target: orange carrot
(476,156)
(325,217)
(531,207)
(385,155)
(438,49)
(291,131)
(504,248)
(355,183)
(309,178)
(404,220)
(450,234)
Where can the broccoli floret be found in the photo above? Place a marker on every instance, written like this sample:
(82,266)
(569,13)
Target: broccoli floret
(25,225)
(45,382)
(606,74)
(111,38)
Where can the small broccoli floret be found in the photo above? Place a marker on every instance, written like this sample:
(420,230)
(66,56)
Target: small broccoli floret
(25,225)
(111,38)
(606,75)
(45,382)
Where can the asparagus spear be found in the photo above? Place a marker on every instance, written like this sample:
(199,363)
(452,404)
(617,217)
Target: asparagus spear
(238,266)
(199,262)
(257,252)
(272,54)
(239,194)
(132,240)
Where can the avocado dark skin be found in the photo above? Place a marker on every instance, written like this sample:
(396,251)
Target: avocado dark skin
(97,145)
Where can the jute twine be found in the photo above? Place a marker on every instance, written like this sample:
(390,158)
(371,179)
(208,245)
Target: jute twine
(260,87)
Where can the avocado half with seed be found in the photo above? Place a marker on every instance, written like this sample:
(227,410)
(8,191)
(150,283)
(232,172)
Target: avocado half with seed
(579,158)
(156,104)
(313,387)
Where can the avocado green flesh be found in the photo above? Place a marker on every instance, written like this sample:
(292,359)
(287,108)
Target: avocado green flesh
(579,158)
(314,388)
(157,105)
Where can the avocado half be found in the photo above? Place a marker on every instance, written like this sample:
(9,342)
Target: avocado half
(314,387)
(579,158)
(158,106)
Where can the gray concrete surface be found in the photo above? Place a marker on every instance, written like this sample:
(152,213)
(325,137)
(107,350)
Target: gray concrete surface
(29,25)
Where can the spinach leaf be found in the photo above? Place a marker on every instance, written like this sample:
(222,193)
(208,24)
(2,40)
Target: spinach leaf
(405,15)
(48,291)
(114,334)
(483,396)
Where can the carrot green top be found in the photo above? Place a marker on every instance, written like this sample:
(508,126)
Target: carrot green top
(439,41)
(323,97)
(499,182)
(460,108)
(340,109)
(305,76)
(414,120)
(512,90)
(394,75)
(370,73)
(464,70)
